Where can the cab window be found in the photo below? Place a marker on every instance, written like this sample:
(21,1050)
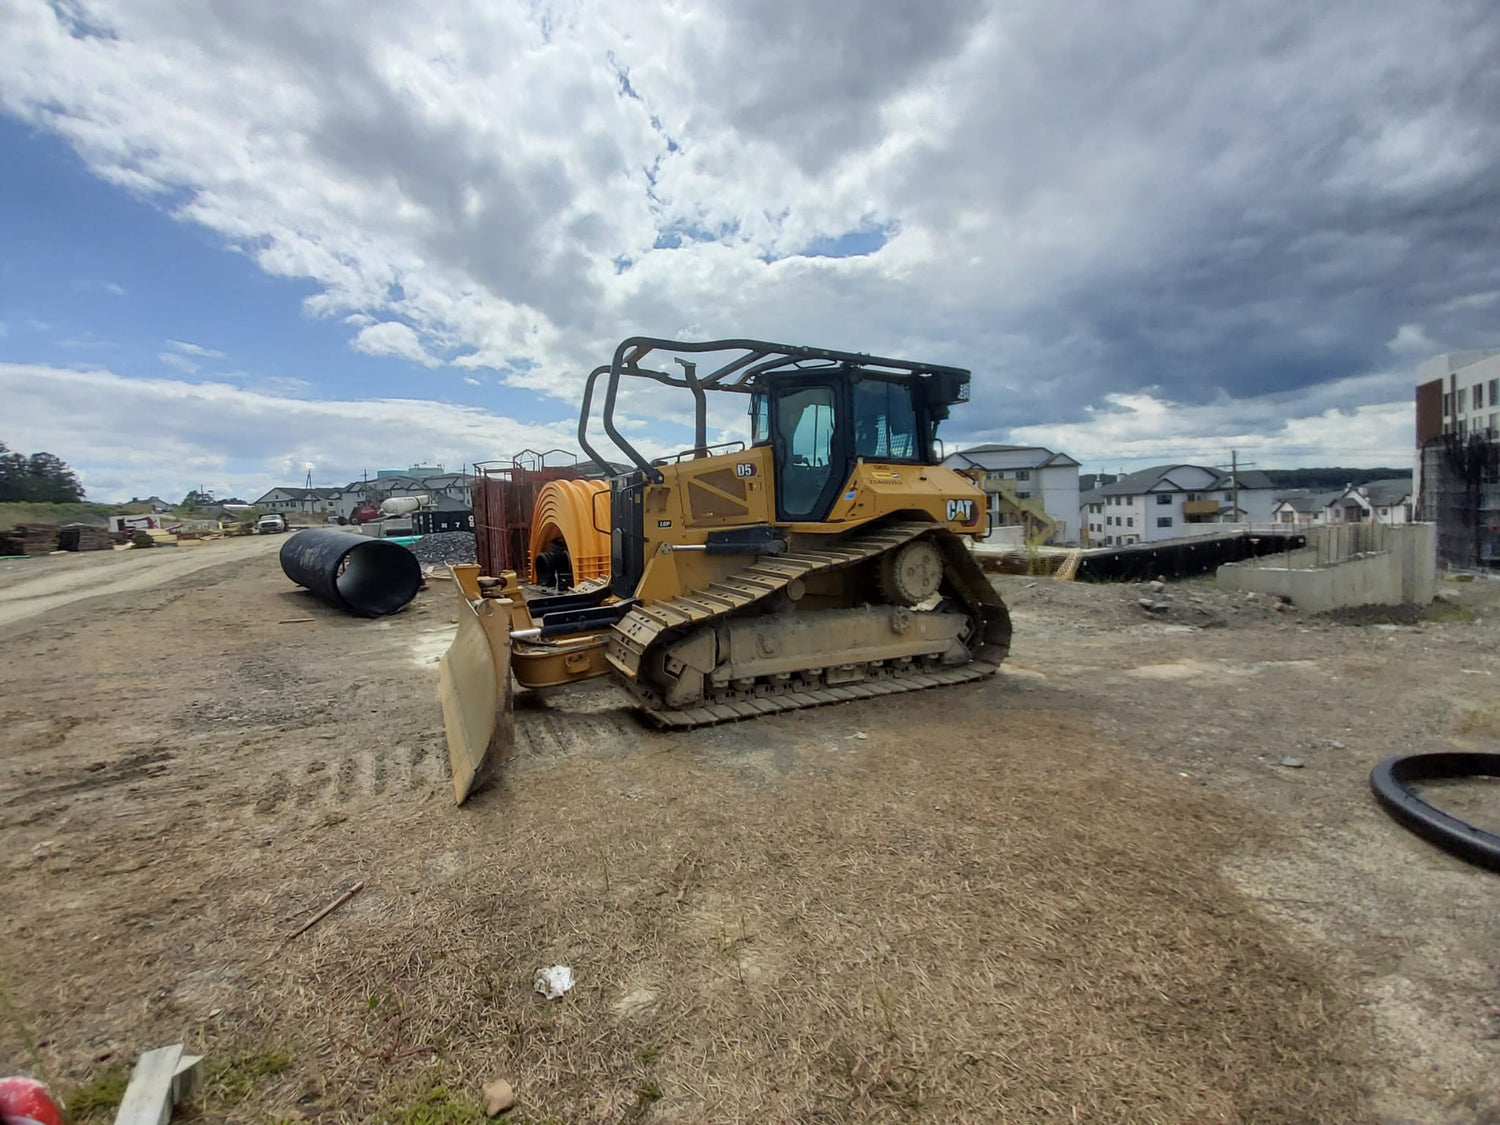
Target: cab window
(806,417)
(805,473)
(885,421)
(760,419)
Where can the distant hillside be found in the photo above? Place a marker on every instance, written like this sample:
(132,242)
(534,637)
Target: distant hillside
(1331,478)
(80,512)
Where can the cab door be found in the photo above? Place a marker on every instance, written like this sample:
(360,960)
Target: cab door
(810,447)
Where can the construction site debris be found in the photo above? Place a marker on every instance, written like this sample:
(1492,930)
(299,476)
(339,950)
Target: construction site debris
(1391,782)
(553,981)
(445,547)
(155,1086)
(497,1097)
(325,912)
(153,537)
(27,1100)
(1292,763)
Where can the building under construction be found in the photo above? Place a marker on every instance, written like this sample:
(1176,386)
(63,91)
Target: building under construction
(1458,428)
(1460,492)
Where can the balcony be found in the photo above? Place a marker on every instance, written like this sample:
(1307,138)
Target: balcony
(1200,508)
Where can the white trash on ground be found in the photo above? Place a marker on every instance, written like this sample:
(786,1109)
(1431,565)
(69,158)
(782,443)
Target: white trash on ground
(553,982)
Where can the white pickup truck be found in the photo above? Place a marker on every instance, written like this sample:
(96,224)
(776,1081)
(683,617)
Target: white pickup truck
(271,524)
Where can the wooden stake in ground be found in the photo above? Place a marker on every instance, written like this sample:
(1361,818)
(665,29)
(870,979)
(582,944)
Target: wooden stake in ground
(148,1098)
(325,912)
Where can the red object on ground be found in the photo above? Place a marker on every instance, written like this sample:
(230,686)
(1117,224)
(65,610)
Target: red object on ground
(25,1101)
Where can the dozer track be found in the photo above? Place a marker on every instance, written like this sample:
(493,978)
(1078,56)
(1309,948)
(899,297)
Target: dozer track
(646,628)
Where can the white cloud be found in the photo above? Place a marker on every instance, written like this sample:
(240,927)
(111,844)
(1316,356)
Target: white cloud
(181,362)
(114,289)
(471,381)
(194,349)
(393,338)
(233,440)
(1136,430)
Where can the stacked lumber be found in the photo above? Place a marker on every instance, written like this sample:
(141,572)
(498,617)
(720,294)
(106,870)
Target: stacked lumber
(10,544)
(84,537)
(36,538)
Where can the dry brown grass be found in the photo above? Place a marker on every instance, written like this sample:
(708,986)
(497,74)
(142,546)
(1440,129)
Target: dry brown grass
(976,932)
(951,921)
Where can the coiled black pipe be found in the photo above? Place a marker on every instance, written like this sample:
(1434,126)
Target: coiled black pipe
(1391,777)
(363,576)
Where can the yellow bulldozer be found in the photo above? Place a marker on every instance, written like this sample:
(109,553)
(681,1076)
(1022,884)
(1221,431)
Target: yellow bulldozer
(823,560)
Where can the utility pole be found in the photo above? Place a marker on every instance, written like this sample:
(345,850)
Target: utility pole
(1234,479)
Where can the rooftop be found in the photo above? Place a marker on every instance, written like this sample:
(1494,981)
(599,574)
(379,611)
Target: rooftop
(996,456)
(1154,480)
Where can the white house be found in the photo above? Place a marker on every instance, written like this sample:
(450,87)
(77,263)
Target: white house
(308,501)
(1379,501)
(1171,501)
(1302,506)
(1039,475)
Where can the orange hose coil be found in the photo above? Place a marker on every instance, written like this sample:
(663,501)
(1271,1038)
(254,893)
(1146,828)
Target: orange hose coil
(566,509)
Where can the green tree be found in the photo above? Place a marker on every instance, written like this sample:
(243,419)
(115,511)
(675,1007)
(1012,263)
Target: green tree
(41,478)
(12,474)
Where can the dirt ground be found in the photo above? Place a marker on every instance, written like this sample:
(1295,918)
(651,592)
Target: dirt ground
(1086,890)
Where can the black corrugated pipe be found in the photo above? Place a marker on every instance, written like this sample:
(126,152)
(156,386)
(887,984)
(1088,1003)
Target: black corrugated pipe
(363,576)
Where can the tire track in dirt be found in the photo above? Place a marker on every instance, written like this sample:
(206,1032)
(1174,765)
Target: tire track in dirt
(371,771)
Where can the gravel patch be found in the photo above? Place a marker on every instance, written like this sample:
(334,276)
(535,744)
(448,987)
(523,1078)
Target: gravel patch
(446,547)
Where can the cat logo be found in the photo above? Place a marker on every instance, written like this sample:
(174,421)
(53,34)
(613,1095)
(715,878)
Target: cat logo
(663,523)
(961,511)
(745,469)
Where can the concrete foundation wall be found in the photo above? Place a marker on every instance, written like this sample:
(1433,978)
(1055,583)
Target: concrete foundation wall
(1406,572)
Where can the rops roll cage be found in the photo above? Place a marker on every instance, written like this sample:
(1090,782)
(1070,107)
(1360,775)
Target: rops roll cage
(746,372)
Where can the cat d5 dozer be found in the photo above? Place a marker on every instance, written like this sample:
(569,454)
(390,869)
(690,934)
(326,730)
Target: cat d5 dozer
(824,560)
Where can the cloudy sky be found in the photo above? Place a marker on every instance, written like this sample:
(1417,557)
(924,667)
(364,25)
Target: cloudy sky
(243,242)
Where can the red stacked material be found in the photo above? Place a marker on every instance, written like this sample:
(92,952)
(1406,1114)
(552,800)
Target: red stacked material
(505,495)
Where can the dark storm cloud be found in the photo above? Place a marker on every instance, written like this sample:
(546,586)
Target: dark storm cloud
(1231,199)
(812,76)
(1291,191)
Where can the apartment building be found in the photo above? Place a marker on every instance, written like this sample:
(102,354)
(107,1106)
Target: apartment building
(1171,501)
(1033,474)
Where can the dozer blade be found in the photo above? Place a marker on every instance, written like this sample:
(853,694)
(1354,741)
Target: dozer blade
(474,685)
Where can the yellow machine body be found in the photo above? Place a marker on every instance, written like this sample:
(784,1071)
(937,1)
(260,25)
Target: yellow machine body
(718,607)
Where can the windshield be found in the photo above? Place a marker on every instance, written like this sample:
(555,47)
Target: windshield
(885,421)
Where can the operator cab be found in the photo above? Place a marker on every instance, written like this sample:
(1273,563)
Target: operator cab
(821,412)
(819,426)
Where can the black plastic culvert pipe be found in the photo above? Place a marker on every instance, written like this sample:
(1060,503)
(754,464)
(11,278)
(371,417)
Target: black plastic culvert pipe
(360,575)
(1390,781)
